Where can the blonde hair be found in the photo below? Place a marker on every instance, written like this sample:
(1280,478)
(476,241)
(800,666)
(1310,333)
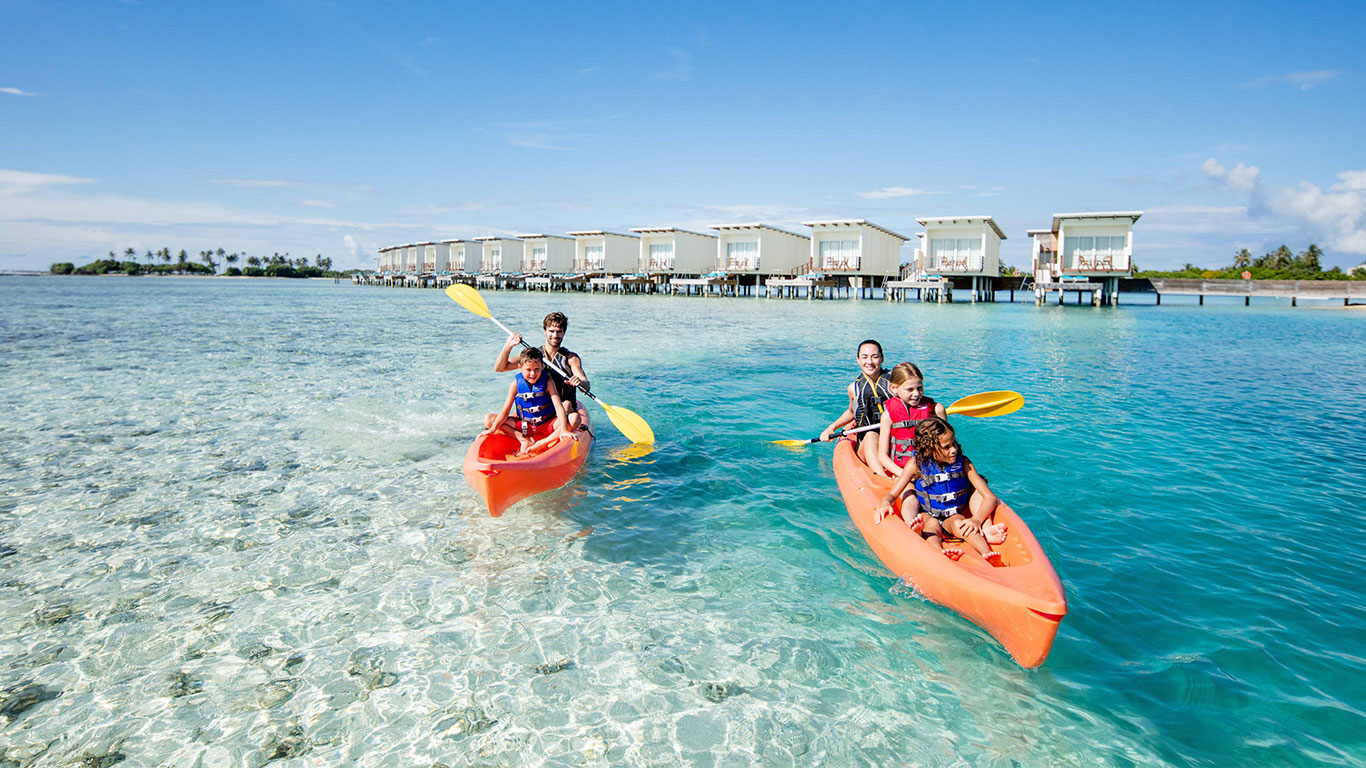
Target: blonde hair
(903,371)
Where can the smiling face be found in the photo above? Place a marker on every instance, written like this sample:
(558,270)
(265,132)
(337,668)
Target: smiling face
(531,370)
(554,334)
(870,359)
(911,391)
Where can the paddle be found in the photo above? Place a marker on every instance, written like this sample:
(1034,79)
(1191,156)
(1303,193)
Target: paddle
(630,424)
(982,404)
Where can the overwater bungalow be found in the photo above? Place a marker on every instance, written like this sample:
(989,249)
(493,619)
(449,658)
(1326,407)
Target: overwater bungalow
(544,255)
(604,256)
(502,257)
(858,250)
(747,253)
(958,247)
(1084,252)
(670,252)
(465,256)
(435,257)
(386,261)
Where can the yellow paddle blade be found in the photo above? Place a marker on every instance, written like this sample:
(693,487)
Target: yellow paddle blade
(985,404)
(791,443)
(468,298)
(631,425)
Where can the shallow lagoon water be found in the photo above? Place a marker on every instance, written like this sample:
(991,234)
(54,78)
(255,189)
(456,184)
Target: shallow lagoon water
(234,531)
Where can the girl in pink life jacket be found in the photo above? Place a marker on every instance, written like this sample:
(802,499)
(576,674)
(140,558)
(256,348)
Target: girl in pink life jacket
(540,412)
(948,497)
(907,407)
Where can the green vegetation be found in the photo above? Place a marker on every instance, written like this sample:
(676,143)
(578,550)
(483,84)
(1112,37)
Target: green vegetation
(1280,264)
(209,261)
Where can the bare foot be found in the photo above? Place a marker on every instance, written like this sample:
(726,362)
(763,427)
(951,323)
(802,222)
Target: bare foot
(995,534)
(916,524)
(994,558)
(953,553)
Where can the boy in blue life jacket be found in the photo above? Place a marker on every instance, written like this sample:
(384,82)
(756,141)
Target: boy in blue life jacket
(540,412)
(867,393)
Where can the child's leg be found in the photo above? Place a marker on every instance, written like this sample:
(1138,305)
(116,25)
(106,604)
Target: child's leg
(954,525)
(910,511)
(868,448)
(575,420)
(994,533)
(933,532)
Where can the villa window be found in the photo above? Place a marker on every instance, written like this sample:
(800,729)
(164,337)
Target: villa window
(839,254)
(592,257)
(661,256)
(1086,252)
(961,254)
(742,256)
(538,258)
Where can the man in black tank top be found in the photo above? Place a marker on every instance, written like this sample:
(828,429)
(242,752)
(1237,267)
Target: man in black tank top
(555,325)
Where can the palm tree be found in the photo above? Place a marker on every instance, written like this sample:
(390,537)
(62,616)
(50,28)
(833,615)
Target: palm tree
(1284,257)
(1243,260)
(220,254)
(230,258)
(207,258)
(1312,258)
(253,261)
(165,255)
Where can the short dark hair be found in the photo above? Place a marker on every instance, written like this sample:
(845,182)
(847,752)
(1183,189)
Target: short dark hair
(869,341)
(532,353)
(555,318)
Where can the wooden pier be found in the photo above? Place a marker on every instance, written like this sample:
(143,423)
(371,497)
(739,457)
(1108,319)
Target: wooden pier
(1281,289)
(938,290)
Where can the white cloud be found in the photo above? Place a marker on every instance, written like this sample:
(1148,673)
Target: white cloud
(19,182)
(1336,215)
(17,92)
(556,135)
(538,141)
(253,183)
(887,192)
(317,203)
(1302,80)
(352,246)
(681,70)
(1243,177)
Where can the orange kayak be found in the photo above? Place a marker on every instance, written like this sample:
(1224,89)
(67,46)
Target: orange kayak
(503,478)
(1020,603)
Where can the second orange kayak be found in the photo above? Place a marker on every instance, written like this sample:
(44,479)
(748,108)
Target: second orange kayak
(503,478)
(1020,603)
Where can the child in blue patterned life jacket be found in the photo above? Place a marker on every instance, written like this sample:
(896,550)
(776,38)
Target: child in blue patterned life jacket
(866,396)
(904,410)
(540,412)
(950,497)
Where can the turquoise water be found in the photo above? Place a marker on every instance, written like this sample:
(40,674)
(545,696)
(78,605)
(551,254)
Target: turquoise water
(234,530)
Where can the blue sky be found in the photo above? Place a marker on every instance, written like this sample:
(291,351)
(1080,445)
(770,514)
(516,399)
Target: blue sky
(336,128)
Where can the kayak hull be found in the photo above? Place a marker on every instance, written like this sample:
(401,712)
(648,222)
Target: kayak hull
(502,478)
(1020,603)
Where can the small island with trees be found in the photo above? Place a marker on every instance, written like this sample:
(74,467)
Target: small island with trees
(163,263)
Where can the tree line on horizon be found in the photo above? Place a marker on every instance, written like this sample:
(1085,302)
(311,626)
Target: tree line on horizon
(1280,264)
(161,262)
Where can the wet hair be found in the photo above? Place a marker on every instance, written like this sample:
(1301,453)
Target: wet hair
(874,342)
(927,434)
(555,318)
(532,353)
(903,371)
